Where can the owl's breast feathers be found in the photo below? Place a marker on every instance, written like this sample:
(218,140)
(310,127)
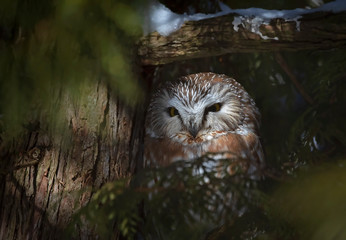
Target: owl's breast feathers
(163,151)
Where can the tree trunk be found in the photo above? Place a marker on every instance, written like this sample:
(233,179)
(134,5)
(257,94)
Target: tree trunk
(49,178)
(217,36)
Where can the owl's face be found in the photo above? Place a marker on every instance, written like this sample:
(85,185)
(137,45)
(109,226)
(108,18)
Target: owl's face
(198,108)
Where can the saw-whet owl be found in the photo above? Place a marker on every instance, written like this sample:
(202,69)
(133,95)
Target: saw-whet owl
(199,114)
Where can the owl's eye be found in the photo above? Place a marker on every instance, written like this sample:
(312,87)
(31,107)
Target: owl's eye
(214,108)
(172,111)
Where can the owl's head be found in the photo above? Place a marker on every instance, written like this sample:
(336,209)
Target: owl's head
(199,107)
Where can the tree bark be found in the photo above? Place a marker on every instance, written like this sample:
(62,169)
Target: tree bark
(217,36)
(48,179)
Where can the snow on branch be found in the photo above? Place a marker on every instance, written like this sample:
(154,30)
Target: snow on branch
(242,30)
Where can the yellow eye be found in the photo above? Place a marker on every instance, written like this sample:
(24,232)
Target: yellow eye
(214,108)
(173,111)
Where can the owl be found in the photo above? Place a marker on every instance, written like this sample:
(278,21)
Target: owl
(200,114)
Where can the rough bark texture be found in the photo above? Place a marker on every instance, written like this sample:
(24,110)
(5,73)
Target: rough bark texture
(48,179)
(216,36)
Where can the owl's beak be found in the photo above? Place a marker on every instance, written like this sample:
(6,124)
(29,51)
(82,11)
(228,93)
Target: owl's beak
(193,127)
(193,131)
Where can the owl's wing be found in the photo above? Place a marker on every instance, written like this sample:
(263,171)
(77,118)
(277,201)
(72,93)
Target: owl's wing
(252,151)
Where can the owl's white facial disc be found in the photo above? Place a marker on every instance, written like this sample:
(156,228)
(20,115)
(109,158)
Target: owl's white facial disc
(197,107)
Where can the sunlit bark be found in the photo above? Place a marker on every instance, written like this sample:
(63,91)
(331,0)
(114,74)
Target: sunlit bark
(50,176)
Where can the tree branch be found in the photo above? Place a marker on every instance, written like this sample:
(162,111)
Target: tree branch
(217,36)
(293,78)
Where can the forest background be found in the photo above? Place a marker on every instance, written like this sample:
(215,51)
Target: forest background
(73,91)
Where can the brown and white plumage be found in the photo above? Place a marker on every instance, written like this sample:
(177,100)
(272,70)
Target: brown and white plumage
(199,114)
